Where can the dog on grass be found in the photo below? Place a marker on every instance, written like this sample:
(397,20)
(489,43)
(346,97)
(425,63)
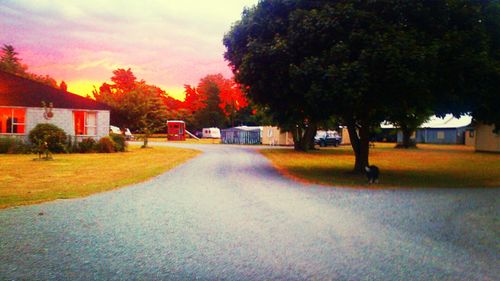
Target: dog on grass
(372,173)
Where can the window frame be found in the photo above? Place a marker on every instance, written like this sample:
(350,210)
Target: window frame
(85,123)
(10,131)
(440,135)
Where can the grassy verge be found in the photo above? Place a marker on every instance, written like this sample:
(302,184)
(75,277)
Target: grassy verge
(24,181)
(427,166)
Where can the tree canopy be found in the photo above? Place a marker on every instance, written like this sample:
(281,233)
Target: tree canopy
(366,61)
(135,104)
(215,102)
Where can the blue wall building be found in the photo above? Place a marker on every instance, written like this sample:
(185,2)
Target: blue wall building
(241,135)
(447,130)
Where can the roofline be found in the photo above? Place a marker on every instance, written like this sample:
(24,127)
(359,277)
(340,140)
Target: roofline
(80,109)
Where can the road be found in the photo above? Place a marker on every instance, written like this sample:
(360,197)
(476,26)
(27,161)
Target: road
(228,215)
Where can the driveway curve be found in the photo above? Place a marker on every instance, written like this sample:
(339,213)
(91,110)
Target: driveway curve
(228,215)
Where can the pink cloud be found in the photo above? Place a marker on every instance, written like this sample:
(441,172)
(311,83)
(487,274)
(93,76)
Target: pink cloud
(165,44)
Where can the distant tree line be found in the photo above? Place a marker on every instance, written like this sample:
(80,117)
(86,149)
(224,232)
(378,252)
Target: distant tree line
(214,102)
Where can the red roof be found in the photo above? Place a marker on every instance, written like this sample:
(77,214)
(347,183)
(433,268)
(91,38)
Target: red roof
(19,91)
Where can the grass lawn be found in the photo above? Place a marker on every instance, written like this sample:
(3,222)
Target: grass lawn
(24,181)
(427,166)
(190,140)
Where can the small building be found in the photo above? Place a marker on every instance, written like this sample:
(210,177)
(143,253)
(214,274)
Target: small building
(176,130)
(447,130)
(241,135)
(344,133)
(24,103)
(485,139)
(272,135)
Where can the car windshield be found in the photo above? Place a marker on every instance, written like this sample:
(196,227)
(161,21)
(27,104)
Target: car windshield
(320,134)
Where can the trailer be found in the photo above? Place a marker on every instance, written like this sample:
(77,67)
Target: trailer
(176,130)
(211,133)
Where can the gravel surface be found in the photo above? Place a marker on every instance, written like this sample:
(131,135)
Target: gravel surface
(228,215)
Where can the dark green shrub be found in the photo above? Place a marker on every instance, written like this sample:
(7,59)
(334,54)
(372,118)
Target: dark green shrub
(87,145)
(119,140)
(13,145)
(55,137)
(105,145)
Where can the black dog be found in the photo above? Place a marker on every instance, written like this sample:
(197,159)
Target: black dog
(372,173)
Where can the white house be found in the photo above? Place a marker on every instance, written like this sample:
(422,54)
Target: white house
(25,103)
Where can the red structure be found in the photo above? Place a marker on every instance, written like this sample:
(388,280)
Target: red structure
(176,130)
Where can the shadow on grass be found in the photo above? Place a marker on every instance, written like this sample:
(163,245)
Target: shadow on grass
(388,178)
(321,151)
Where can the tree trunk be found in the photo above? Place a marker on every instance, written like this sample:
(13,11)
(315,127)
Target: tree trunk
(297,137)
(360,145)
(304,139)
(309,135)
(147,132)
(407,132)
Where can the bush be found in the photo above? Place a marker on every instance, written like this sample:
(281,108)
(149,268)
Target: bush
(119,140)
(54,136)
(106,145)
(13,145)
(87,145)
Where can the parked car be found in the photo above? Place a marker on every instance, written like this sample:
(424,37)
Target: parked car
(128,134)
(327,138)
(198,134)
(114,130)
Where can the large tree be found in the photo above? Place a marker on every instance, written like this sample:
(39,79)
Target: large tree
(364,61)
(135,104)
(215,102)
(259,51)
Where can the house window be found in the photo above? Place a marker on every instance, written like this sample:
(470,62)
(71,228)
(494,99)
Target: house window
(85,123)
(12,120)
(440,135)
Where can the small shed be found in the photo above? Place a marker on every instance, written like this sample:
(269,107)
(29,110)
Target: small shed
(486,139)
(272,135)
(176,130)
(241,135)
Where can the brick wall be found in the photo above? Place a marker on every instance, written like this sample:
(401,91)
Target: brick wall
(63,118)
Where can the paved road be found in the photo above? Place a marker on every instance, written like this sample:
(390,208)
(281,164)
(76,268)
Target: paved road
(227,215)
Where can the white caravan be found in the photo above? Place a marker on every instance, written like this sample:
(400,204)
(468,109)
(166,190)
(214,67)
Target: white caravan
(210,133)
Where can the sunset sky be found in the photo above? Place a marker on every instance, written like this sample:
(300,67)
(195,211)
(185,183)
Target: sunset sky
(168,43)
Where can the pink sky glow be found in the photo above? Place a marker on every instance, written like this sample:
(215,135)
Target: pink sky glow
(168,43)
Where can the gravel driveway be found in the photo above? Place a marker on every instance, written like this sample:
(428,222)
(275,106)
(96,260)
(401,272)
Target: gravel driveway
(227,215)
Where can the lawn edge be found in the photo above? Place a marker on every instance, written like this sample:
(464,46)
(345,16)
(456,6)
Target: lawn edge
(42,201)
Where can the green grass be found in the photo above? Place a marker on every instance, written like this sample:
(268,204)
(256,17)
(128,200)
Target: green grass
(24,181)
(427,166)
